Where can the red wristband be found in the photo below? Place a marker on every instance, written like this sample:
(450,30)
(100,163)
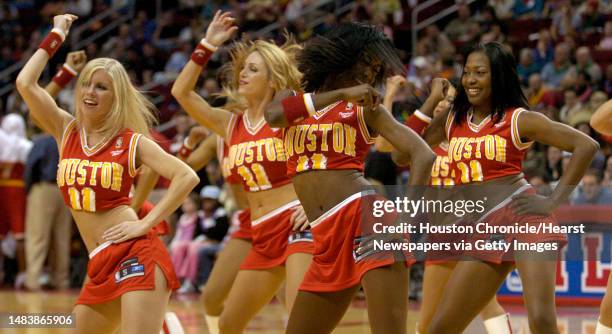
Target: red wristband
(202,53)
(184,152)
(52,42)
(418,122)
(296,107)
(64,75)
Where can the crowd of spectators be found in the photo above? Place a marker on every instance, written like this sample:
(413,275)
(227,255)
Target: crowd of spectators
(563,49)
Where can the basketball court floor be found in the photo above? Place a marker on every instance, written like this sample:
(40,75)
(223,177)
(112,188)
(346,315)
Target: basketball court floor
(271,320)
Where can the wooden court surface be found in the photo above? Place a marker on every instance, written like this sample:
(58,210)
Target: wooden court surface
(271,320)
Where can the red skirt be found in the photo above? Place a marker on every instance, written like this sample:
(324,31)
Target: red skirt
(503,215)
(115,269)
(12,212)
(271,234)
(335,266)
(244,225)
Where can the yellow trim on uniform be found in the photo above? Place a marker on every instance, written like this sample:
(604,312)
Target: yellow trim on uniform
(364,127)
(132,153)
(449,122)
(516,137)
(12,183)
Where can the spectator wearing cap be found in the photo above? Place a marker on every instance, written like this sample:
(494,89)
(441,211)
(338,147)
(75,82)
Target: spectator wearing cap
(213,225)
(591,190)
(210,229)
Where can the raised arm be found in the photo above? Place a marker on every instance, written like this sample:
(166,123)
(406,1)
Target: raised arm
(601,120)
(42,107)
(535,126)
(182,181)
(421,119)
(289,107)
(215,119)
(406,141)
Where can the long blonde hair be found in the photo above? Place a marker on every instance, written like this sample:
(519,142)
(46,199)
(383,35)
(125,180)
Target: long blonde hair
(130,109)
(280,62)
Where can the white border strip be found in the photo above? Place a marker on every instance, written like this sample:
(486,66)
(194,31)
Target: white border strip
(274,212)
(99,249)
(504,202)
(340,205)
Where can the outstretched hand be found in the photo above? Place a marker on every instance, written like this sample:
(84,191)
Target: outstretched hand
(220,28)
(63,22)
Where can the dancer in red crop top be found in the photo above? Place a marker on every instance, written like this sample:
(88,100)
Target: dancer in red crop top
(327,136)
(130,272)
(488,130)
(439,268)
(257,154)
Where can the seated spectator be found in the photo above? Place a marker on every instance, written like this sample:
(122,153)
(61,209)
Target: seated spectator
(584,62)
(561,26)
(571,106)
(458,27)
(596,100)
(544,51)
(528,9)
(526,66)
(554,166)
(583,86)
(502,8)
(535,90)
(554,72)
(591,190)
(606,40)
(588,18)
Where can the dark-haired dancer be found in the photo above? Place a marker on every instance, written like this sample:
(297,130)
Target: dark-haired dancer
(438,271)
(327,137)
(488,130)
(601,121)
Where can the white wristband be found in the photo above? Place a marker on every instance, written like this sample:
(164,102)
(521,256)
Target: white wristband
(186,143)
(207,45)
(70,69)
(422,116)
(60,33)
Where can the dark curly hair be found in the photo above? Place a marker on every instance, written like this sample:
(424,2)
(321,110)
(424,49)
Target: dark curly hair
(332,57)
(506,89)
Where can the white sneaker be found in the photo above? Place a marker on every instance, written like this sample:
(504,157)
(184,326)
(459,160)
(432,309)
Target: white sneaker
(20,280)
(187,287)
